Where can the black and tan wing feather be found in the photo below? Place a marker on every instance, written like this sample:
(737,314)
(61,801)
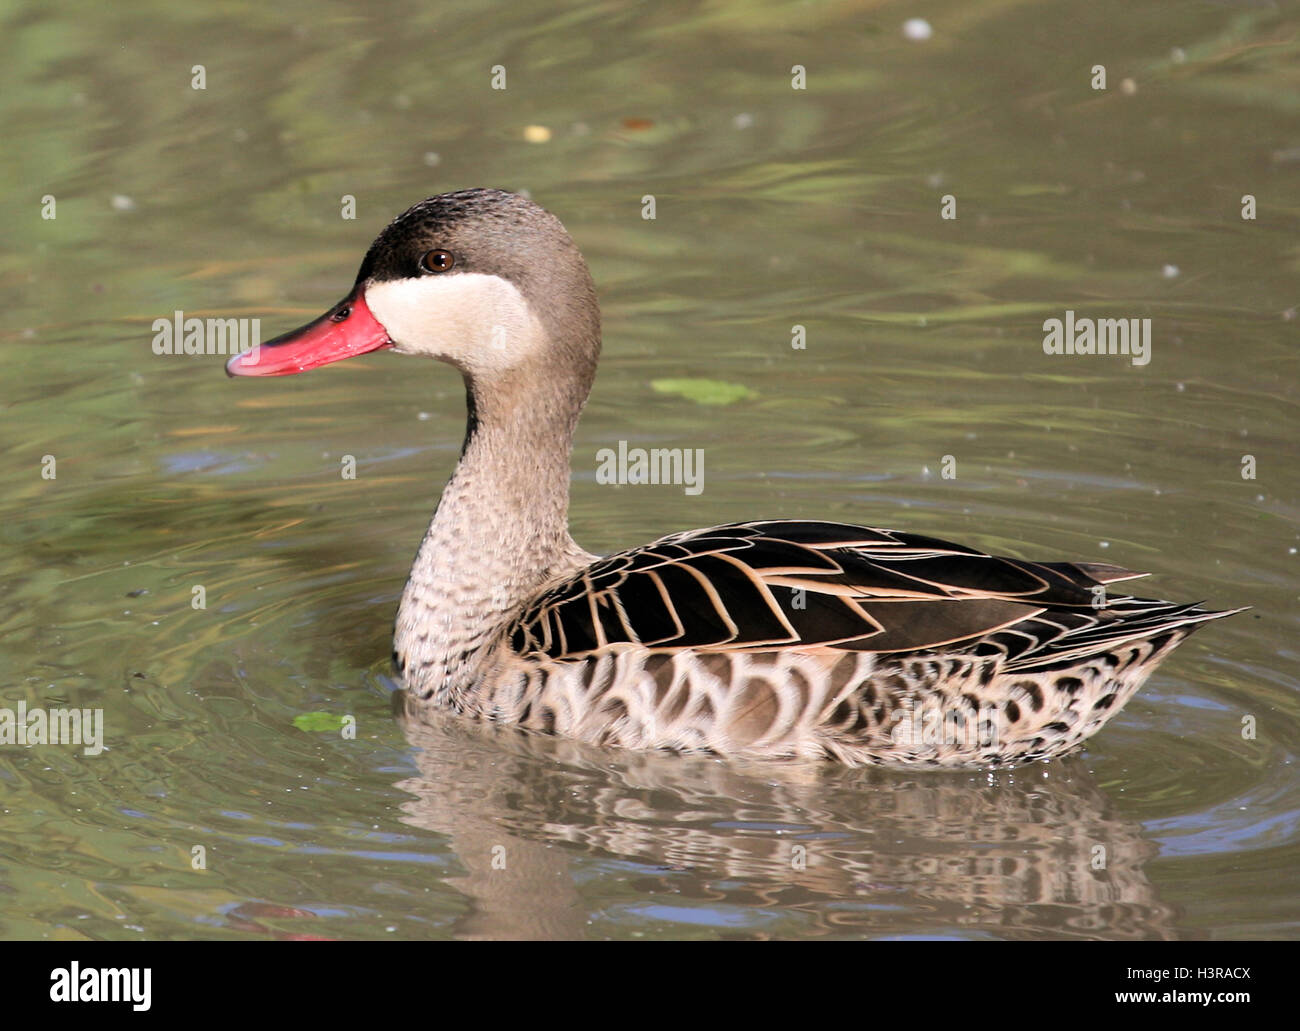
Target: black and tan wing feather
(792,585)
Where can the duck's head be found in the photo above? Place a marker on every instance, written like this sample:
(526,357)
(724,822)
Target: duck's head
(485,280)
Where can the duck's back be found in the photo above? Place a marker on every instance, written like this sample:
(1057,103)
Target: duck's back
(800,638)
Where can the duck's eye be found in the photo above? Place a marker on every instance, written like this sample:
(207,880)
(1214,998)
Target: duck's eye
(438,261)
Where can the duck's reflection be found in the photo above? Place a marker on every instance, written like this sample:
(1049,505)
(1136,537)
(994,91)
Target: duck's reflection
(537,821)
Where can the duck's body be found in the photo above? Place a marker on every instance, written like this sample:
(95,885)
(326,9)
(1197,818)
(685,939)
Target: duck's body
(763,639)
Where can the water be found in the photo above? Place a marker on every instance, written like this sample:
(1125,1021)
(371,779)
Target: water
(775,207)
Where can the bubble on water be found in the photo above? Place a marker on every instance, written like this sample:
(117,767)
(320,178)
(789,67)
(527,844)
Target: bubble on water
(1178,55)
(432,158)
(917,29)
(744,120)
(121,202)
(537,134)
(1170,271)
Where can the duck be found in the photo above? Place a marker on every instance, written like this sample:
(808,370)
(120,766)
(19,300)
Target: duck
(783,639)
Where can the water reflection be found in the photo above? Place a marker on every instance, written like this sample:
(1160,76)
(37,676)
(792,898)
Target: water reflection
(755,849)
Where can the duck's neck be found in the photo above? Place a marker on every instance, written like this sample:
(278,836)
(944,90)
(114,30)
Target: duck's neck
(500,532)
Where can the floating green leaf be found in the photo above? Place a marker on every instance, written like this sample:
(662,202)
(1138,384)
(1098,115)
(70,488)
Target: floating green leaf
(314,721)
(704,391)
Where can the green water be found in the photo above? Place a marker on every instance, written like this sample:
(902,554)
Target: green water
(775,207)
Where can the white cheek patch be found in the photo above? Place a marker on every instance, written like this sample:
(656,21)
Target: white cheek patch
(475,321)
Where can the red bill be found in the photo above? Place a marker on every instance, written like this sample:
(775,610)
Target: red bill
(345,331)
